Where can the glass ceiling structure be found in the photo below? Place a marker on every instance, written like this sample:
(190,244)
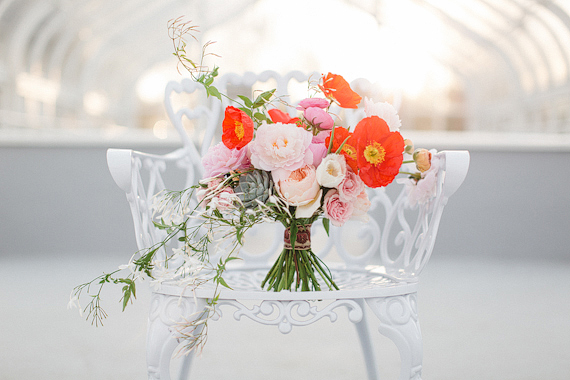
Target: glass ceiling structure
(483,65)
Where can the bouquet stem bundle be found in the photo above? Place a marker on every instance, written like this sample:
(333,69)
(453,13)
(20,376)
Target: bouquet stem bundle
(297,267)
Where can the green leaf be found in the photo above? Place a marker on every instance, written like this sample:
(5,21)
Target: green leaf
(247,111)
(326,225)
(213,91)
(209,81)
(222,282)
(248,103)
(263,98)
(260,116)
(293,236)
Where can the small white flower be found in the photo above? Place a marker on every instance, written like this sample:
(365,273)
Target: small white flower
(332,170)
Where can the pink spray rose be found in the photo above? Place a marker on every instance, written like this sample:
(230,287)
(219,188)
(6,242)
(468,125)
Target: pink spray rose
(319,152)
(220,159)
(281,147)
(313,102)
(336,210)
(318,117)
(350,187)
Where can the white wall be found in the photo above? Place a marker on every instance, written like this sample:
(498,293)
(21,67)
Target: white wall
(62,201)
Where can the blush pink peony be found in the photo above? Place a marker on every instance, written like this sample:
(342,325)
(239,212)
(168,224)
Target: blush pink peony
(337,211)
(281,147)
(219,160)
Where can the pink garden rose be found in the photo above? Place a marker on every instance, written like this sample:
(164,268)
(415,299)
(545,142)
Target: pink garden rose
(300,188)
(361,206)
(281,147)
(219,160)
(313,102)
(336,210)
(350,187)
(318,117)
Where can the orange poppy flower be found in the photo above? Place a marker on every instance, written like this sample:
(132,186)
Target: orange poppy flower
(278,116)
(348,149)
(379,151)
(237,128)
(336,87)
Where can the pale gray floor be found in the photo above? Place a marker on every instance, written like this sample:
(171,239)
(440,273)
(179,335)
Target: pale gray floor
(480,320)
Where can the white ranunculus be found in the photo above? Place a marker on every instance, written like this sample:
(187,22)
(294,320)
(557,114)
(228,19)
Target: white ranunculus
(332,170)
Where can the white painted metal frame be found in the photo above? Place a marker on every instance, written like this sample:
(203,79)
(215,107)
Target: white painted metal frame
(382,277)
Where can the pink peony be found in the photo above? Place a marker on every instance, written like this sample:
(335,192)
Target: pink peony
(219,160)
(336,210)
(361,206)
(318,117)
(281,147)
(313,102)
(301,187)
(350,187)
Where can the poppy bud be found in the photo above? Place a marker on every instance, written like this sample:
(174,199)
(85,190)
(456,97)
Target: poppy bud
(409,146)
(422,157)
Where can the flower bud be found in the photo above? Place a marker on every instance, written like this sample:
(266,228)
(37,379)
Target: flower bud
(409,146)
(422,157)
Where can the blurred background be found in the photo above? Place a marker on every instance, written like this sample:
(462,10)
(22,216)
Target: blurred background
(79,77)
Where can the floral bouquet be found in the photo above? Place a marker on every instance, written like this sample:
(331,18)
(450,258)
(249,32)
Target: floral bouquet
(297,170)
(272,167)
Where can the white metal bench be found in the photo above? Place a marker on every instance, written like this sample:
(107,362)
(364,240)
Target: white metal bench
(376,265)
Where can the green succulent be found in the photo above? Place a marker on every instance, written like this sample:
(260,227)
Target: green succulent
(253,185)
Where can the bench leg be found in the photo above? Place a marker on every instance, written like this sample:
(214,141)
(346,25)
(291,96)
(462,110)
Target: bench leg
(398,319)
(162,342)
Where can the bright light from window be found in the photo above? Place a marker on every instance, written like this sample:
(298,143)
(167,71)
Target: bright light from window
(396,50)
(160,129)
(150,87)
(95,103)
